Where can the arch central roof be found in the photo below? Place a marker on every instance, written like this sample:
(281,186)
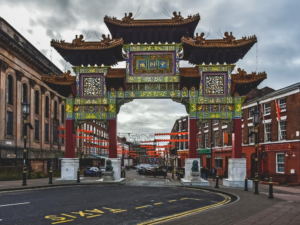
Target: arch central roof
(158,30)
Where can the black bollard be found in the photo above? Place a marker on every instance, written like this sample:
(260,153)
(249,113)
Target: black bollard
(271,189)
(78,175)
(24,175)
(256,184)
(217,181)
(246,184)
(172,174)
(50,176)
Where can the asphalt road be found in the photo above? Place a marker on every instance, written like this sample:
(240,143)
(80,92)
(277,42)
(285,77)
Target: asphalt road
(96,204)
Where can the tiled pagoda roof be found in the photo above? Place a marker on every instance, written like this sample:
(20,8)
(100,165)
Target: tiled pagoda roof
(80,52)
(228,50)
(159,30)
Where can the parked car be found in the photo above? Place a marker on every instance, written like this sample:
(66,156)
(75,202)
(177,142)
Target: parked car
(91,171)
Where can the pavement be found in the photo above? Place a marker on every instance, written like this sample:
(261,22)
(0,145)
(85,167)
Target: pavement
(248,209)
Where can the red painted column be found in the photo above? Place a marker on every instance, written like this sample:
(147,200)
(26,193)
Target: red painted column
(112,129)
(237,139)
(192,137)
(70,145)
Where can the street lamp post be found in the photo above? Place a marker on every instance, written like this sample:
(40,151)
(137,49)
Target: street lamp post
(25,112)
(256,120)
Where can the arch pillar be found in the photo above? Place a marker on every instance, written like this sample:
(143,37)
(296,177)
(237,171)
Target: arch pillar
(112,131)
(192,137)
(70,143)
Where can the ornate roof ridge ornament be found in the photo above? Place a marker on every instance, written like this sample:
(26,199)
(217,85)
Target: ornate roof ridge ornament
(130,21)
(200,39)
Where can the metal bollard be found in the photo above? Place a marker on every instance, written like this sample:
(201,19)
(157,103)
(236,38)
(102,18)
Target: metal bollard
(50,176)
(256,184)
(271,189)
(78,175)
(246,184)
(217,181)
(24,175)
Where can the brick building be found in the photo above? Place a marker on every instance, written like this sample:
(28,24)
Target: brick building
(279,141)
(180,125)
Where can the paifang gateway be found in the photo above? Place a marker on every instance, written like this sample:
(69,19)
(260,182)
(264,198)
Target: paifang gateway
(152,50)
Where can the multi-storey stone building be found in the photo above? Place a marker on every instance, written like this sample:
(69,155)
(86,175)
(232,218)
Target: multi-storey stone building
(22,67)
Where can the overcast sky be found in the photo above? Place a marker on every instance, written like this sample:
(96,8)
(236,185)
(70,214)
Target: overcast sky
(274,22)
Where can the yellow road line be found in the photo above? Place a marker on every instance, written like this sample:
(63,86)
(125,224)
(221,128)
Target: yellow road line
(172,217)
(172,200)
(64,221)
(141,207)
(159,203)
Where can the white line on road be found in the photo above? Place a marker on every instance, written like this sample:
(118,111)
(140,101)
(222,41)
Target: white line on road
(22,203)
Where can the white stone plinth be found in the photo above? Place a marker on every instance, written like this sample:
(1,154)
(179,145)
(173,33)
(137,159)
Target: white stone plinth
(237,171)
(116,164)
(69,167)
(188,168)
(192,178)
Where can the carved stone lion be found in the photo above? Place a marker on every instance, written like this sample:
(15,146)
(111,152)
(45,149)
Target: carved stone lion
(195,167)
(108,165)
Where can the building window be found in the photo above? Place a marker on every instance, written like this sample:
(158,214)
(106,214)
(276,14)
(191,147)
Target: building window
(242,136)
(282,130)
(63,139)
(250,112)
(9,90)
(201,160)
(199,141)
(282,104)
(36,130)
(205,140)
(36,102)
(224,134)
(267,108)
(55,133)
(280,163)
(216,122)
(252,137)
(46,132)
(9,123)
(179,129)
(216,138)
(55,110)
(268,132)
(218,161)
(63,114)
(47,107)
(24,92)
(206,124)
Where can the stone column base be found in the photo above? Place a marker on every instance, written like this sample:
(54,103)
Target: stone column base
(236,183)
(116,164)
(69,167)
(237,171)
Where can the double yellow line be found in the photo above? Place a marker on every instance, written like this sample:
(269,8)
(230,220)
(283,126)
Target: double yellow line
(226,200)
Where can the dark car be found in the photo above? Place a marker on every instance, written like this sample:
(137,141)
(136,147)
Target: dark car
(91,171)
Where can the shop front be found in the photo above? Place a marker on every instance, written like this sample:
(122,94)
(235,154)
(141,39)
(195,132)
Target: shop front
(204,155)
(220,159)
(281,162)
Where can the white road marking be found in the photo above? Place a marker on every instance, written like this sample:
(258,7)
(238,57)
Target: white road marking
(22,203)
